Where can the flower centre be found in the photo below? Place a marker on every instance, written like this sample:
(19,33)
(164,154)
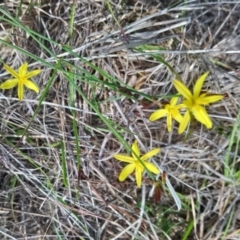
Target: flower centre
(139,165)
(173,111)
(21,79)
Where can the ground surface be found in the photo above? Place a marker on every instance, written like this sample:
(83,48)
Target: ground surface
(105,66)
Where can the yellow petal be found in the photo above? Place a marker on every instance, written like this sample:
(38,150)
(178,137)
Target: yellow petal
(9,84)
(152,168)
(11,71)
(180,106)
(169,122)
(32,73)
(177,116)
(158,114)
(23,70)
(201,115)
(182,89)
(135,150)
(184,123)
(20,91)
(209,99)
(127,170)
(188,103)
(150,154)
(198,85)
(138,175)
(31,85)
(173,101)
(124,158)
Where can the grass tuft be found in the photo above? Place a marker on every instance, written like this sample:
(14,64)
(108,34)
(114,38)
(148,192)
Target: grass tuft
(106,67)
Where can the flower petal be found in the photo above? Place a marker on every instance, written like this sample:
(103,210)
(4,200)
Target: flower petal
(180,106)
(152,167)
(178,117)
(20,91)
(173,101)
(188,103)
(184,123)
(182,89)
(31,85)
(138,175)
(124,158)
(206,100)
(11,71)
(169,122)
(135,150)
(22,71)
(198,85)
(158,114)
(9,84)
(150,154)
(126,171)
(201,115)
(32,73)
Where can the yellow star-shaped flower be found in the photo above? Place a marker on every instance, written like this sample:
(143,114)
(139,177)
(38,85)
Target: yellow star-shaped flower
(170,110)
(134,163)
(21,78)
(196,102)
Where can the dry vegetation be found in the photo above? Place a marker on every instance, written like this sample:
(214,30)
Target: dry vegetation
(58,179)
